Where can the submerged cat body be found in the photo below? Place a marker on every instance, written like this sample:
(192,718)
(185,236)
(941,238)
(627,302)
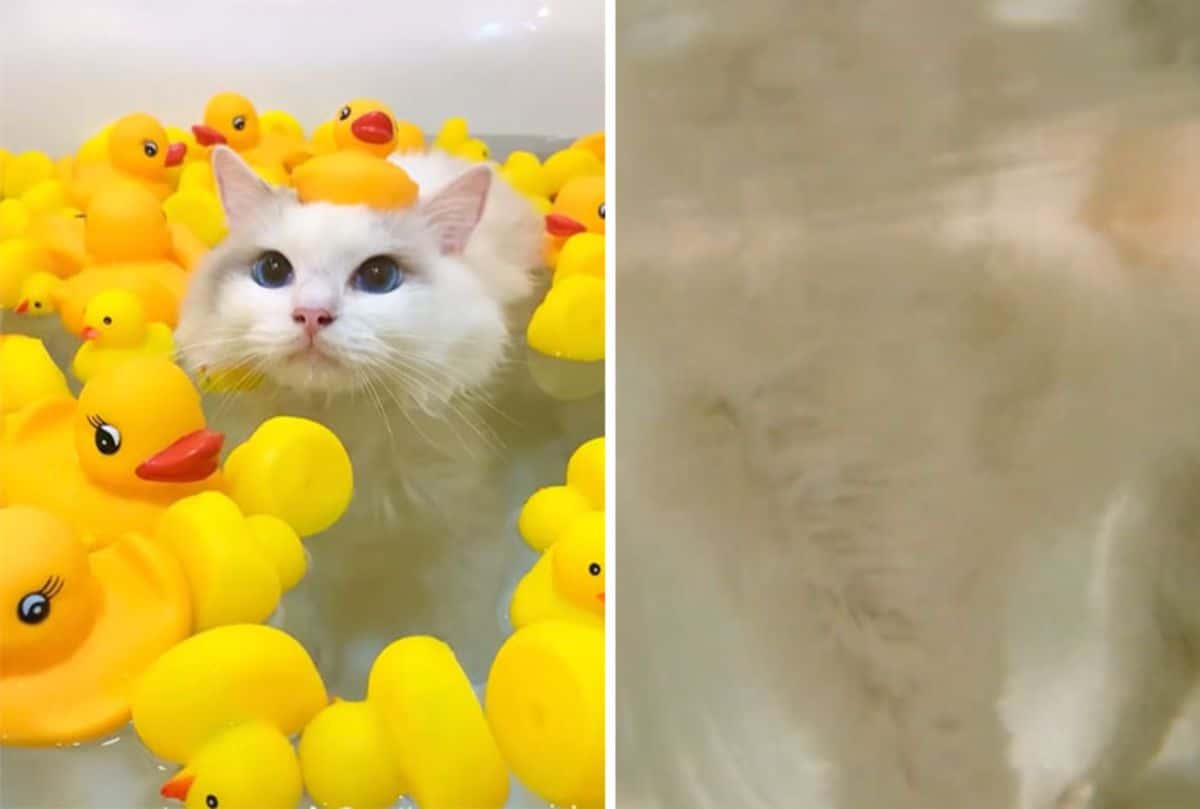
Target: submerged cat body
(872,383)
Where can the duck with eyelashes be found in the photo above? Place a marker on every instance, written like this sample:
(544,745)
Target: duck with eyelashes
(137,152)
(77,628)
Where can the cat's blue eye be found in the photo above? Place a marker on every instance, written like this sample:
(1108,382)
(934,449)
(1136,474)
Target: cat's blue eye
(271,270)
(377,275)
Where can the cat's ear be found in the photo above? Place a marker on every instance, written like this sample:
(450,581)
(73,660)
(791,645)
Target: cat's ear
(456,209)
(243,193)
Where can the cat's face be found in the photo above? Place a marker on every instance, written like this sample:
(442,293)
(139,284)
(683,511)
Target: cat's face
(333,299)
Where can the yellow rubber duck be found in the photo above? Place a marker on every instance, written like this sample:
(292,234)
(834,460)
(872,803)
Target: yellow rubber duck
(24,171)
(545,705)
(38,294)
(358,172)
(592,142)
(278,122)
(524,173)
(138,152)
(130,246)
(578,208)
(453,138)
(27,373)
(14,219)
(569,323)
(567,164)
(78,629)
(567,582)
(136,441)
(552,509)
(200,211)
(581,254)
(223,703)
(20,258)
(231,119)
(114,330)
(237,567)
(420,732)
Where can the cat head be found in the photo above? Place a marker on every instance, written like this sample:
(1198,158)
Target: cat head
(332,299)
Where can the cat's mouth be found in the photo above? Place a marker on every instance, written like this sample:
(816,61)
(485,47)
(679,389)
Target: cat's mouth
(314,354)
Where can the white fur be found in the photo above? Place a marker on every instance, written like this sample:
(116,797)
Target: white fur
(884,331)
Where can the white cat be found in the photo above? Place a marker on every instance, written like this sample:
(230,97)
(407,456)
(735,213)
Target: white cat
(394,329)
(883,333)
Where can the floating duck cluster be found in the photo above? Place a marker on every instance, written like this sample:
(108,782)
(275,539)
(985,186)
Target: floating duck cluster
(553,664)
(140,568)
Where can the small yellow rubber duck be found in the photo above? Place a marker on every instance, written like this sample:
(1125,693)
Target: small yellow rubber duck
(223,703)
(38,294)
(567,582)
(578,208)
(237,567)
(27,373)
(114,330)
(454,139)
(551,510)
(545,705)
(358,172)
(570,324)
(24,171)
(78,629)
(567,164)
(420,732)
(524,173)
(138,152)
(231,119)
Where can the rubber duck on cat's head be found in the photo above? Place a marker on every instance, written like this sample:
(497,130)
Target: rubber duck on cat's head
(358,172)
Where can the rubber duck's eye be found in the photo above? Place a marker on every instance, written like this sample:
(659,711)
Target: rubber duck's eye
(344,113)
(271,270)
(377,275)
(33,608)
(211,801)
(37,304)
(239,123)
(150,148)
(594,569)
(108,437)
(107,320)
(601,210)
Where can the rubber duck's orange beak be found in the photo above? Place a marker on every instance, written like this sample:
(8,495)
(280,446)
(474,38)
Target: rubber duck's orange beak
(89,333)
(190,459)
(23,306)
(175,153)
(373,127)
(600,596)
(559,224)
(206,135)
(178,787)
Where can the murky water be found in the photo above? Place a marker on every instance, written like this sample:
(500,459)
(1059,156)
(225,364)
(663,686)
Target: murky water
(382,572)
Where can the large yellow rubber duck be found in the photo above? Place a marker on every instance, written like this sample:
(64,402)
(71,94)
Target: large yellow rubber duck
(237,567)
(231,119)
(27,374)
(578,208)
(567,582)
(132,247)
(545,705)
(570,323)
(420,732)
(136,441)
(78,629)
(592,142)
(551,510)
(114,330)
(138,152)
(581,254)
(358,172)
(223,703)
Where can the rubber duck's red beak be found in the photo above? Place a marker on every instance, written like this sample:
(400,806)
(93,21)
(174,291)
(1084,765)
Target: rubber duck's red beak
(559,224)
(206,135)
(89,333)
(600,596)
(177,787)
(23,306)
(373,127)
(175,153)
(190,459)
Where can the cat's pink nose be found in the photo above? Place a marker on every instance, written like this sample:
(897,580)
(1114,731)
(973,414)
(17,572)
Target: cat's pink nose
(313,320)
